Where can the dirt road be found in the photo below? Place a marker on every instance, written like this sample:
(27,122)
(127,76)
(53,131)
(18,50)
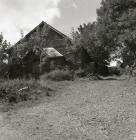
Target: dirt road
(82,110)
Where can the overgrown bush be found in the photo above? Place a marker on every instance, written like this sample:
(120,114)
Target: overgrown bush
(59,75)
(114,71)
(14,91)
(81,73)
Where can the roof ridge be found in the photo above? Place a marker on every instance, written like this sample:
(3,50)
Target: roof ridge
(57,30)
(43,22)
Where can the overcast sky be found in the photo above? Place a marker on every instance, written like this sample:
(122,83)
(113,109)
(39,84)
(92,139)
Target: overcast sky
(16,15)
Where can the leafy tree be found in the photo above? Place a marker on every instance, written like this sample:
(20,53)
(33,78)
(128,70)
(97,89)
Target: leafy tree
(117,27)
(86,37)
(38,41)
(34,42)
(4,45)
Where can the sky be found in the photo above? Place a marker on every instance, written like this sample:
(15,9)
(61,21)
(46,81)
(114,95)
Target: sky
(17,15)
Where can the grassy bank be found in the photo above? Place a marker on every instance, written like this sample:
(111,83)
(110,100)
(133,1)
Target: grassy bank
(18,90)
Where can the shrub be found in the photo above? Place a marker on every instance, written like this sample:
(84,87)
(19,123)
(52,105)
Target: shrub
(59,75)
(115,71)
(81,73)
(14,91)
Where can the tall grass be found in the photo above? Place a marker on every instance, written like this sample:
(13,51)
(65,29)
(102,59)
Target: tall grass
(58,75)
(10,90)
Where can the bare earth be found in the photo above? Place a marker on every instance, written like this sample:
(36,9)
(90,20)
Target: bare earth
(81,110)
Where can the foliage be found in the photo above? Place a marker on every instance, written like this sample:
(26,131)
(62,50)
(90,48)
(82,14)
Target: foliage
(9,90)
(36,41)
(115,71)
(81,73)
(86,37)
(31,43)
(3,70)
(116,27)
(4,45)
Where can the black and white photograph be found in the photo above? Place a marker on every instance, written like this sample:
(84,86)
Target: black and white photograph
(67,69)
